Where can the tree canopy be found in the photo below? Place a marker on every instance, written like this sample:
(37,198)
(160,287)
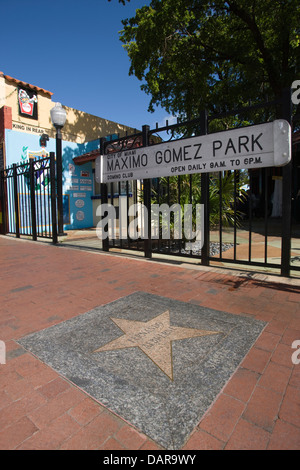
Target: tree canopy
(196,54)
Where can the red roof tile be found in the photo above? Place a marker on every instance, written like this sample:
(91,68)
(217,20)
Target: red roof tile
(116,146)
(86,157)
(27,85)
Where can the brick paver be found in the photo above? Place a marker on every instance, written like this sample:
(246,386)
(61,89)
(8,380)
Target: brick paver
(42,285)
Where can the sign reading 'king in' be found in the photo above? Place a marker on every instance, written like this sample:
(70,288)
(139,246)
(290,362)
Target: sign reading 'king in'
(259,146)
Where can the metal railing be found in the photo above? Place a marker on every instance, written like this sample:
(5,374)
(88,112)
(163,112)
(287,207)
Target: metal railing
(28,199)
(249,219)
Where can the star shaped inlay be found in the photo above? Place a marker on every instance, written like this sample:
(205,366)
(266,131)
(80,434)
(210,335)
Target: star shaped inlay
(154,338)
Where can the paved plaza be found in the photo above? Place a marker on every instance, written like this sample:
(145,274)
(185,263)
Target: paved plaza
(108,352)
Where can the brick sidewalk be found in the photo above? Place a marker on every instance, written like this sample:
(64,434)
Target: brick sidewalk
(42,285)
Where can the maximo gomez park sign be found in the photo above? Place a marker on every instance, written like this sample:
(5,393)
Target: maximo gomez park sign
(258,146)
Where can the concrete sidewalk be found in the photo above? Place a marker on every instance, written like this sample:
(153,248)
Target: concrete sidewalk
(43,285)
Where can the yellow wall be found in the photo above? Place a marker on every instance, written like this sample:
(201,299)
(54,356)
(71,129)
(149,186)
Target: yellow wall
(80,127)
(85,127)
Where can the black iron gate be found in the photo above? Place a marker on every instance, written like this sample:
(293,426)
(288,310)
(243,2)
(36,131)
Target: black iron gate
(239,226)
(28,201)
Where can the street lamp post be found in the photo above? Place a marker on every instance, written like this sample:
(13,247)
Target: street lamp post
(58,118)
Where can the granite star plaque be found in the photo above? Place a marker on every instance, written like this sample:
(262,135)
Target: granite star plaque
(156,362)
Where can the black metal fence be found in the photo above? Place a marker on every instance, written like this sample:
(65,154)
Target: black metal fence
(241,225)
(28,199)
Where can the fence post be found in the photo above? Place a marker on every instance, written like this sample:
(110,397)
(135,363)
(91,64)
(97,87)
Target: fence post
(147,200)
(53,197)
(16,199)
(2,204)
(205,197)
(286,113)
(32,199)
(104,199)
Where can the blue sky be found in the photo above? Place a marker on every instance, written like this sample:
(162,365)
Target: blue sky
(72,48)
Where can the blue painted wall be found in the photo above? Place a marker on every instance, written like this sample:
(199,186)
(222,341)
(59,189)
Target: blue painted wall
(78,181)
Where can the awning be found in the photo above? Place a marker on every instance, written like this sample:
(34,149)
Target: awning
(86,157)
(115,146)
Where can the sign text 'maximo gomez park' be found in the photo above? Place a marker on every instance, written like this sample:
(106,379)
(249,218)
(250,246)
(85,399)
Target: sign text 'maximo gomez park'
(263,145)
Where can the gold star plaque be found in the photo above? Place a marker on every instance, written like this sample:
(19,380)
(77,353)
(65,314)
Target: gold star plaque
(154,338)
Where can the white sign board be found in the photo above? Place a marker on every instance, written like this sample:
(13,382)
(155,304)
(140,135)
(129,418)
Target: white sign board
(263,145)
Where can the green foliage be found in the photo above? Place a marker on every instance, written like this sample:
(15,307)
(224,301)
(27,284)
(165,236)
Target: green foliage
(231,194)
(225,195)
(214,55)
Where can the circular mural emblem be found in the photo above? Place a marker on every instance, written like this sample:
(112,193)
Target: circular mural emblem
(79,215)
(79,203)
